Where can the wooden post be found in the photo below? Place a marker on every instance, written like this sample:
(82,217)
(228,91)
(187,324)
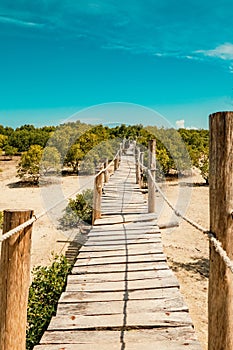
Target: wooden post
(97,196)
(123,145)
(137,165)
(221,224)
(14,281)
(141,168)
(152,167)
(116,163)
(120,151)
(106,172)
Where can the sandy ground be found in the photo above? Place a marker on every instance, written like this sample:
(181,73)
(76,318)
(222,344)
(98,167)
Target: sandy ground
(186,248)
(47,237)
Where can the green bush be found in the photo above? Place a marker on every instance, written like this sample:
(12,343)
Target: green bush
(78,209)
(48,284)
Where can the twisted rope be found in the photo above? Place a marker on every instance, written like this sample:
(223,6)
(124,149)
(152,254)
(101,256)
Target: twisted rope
(216,243)
(18,229)
(108,166)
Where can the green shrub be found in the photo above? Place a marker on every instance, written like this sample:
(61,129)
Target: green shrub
(48,284)
(78,209)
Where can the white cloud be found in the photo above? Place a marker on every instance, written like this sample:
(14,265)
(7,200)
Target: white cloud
(225,52)
(4,19)
(180,124)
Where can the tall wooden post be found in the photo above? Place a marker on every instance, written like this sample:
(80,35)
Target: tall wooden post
(141,168)
(137,165)
(97,196)
(221,224)
(14,281)
(116,163)
(106,172)
(152,168)
(120,151)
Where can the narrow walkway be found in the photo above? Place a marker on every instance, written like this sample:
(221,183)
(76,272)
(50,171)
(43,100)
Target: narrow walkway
(121,294)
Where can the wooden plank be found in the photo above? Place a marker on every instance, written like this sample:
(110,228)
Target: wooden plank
(122,231)
(165,345)
(127,226)
(102,230)
(150,258)
(162,293)
(117,307)
(155,319)
(131,248)
(64,346)
(119,276)
(161,345)
(123,285)
(145,266)
(119,219)
(123,239)
(123,242)
(183,334)
(156,248)
(122,235)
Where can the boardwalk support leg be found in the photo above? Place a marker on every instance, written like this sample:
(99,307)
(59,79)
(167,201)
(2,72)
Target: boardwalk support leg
(106,172)
(152,167)
(14,281)
(137,164)
(97,196)
(221,224)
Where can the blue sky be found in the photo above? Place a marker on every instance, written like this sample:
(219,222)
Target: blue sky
(59,57)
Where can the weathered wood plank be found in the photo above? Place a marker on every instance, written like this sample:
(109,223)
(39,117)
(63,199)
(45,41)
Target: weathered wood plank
(131,248)
(121,260)
(183,334)
(121,219)
(116,243)
(161,345)
(64,346)
(116,307)
(123,235)
(162,293)
(123,285)
(122,232)
(155,319)
(118,267)
(119,276)
(157,249)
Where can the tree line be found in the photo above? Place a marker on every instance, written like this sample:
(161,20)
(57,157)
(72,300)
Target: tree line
(79,147)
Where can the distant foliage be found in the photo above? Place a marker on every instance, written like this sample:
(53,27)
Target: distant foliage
(78,209)
(50,161)
(82,147)
(29,166)
(10,151)
(197,143)
(47,285)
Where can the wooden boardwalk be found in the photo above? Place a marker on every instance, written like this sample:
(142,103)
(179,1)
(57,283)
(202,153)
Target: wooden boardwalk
(121,293)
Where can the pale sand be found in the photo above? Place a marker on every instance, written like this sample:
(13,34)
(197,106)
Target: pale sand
(47,237)
(186,248)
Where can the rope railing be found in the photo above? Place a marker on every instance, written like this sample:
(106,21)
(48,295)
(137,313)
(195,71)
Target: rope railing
(36,217)
(109,165)
(217,244)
